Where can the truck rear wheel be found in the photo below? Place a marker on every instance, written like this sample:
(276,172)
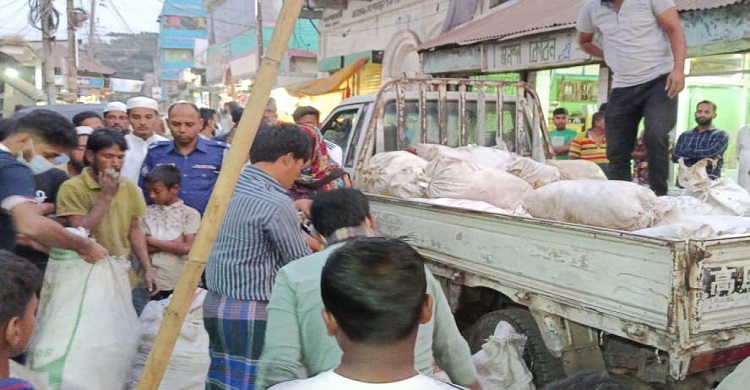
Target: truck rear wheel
(545,367)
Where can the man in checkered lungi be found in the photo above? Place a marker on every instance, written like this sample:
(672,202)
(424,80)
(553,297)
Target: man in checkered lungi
(259,235)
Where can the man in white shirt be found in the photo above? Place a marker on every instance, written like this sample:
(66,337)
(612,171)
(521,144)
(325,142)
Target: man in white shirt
(116,116)
(374,293)
(143,114)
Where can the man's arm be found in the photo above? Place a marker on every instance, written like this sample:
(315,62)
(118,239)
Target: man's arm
(575,150)
(110,183)
(140,250)
(562,149)
(281,359)
(678,151)
(586,41)
(669,21)
(30,223)
(180,246)
(287,235)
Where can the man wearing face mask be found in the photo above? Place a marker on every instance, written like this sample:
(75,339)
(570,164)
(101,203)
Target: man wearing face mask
(211,123)
(704,141)
(51,134)
(144,118)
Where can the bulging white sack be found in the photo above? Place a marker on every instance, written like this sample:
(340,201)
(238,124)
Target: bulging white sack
(609,204)
(188,365)
(393,174)
(578,170)
(672,208)
(467,204)
(488,157)
(699,227)
(728,197)
(446,177)
(533,172)
(430,151)
(500,363)
(87,328)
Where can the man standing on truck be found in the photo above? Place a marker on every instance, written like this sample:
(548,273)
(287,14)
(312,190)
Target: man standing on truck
(562,136)
(704,141)
(644,45)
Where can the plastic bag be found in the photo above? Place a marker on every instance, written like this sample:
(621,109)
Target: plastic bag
(500,363)
(393,174)
(728,197)
(577,170)
(534,173)
(446,177)
(87,327)
(609,204)
(189,362)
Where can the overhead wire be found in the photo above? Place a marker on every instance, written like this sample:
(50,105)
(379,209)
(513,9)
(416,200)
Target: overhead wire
(37,14)
(119,15)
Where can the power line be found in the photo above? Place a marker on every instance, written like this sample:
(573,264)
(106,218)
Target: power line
(38,14)
(119,15)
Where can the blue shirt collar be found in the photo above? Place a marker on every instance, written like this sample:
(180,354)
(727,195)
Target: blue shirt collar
(201,146)
(710,130)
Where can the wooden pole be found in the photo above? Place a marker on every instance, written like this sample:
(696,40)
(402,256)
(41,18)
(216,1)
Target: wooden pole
(217,206)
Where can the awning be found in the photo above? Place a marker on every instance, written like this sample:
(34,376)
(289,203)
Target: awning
(528,17)
(332,83)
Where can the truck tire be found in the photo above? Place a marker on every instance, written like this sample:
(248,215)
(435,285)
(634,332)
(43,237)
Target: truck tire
(545,367)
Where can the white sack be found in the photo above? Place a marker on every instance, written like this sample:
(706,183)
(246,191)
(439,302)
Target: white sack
(699,227)
(189,362)
(430,151)
(578,170)
(87,328)
(467,204)
(533,172)
(393,174)
(488,157)
(500,363)
(728,197)
(446,177)
(609,204)
(672,208)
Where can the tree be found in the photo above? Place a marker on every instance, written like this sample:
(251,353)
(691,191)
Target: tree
(132,55)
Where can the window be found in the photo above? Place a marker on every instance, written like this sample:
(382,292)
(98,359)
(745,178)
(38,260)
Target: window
(178,55)
(338,129)
(175,22)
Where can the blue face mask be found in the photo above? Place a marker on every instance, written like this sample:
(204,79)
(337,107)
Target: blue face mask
(38,164)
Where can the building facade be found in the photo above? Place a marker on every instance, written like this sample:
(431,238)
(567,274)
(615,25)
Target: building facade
(182,35)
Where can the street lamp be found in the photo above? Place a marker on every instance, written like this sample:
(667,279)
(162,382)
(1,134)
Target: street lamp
(11,73)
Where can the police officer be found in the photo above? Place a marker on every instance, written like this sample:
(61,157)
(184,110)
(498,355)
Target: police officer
(198,159)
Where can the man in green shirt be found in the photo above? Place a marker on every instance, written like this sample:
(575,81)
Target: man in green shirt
(296,336)
(561,137)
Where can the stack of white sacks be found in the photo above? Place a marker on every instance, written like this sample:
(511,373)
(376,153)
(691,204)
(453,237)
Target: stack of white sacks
(575,191)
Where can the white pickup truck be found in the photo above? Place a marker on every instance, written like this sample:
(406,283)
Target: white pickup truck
(675,314)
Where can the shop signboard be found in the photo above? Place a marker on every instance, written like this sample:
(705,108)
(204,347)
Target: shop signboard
(534,52)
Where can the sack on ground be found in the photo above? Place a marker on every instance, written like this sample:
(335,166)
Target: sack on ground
(500,363)
(446,177)
(533,172)
(488,157)
(430,151)
(188,365)
(728,197)
(699,227)
(578,170)
(87,329)
(393,174)
(609,204)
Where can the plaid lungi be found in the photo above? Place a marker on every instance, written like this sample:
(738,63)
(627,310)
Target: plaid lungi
(236,330)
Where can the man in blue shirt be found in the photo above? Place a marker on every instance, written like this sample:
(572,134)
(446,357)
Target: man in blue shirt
(704,141)
(198,159)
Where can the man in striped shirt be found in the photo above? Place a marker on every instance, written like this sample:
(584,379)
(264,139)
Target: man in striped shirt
(260,234)
(591,145)
(704,141)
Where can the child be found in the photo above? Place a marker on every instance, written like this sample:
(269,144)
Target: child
(20,282)
(170,227)
(374,294)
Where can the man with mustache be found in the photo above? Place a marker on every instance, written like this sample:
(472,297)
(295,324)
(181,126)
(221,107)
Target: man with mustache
(704,141)
(143,114)
(105,205)
(116,116)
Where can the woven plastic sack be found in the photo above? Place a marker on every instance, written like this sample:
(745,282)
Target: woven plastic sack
(500,363)
(609,204)
(577,170)
(488,157)
(673,208)
(446,177)
(393,174)
(430,151)
(728,197)
(533,172)
(699,227)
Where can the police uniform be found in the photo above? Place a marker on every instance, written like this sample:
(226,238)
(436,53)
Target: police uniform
(199,169)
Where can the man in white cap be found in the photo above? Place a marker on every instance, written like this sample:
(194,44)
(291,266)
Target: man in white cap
(75,165)
(116,116)
(143,113)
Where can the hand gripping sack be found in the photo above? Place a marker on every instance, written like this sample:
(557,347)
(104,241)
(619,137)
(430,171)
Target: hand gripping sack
(728,197)
(609,204)
(393,174)
(188,365)
(446,177)
(534,173)
(578,170)
(87,328)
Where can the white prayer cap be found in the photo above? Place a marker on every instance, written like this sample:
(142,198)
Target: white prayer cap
(84,130)
(115,106)
(143,102)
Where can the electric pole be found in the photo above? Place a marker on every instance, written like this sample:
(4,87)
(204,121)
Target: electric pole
(47,61)
(259,30)
(71,63)
(92,28)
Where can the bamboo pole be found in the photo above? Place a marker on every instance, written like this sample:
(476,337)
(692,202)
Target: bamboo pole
(264,81)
